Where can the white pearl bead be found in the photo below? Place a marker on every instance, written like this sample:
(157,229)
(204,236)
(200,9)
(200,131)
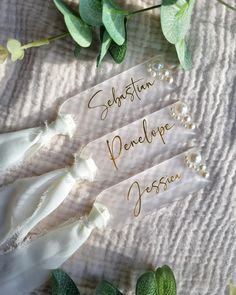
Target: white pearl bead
(192,126)
(195,158)
(205,174)
(170,80)
(166,73)
(157,66)
(202,167)
(187,119)
(149,70)
(181,108)
(154,74)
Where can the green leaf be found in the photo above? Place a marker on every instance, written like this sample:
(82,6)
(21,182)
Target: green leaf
(118,52)
(105,288)
(176,19)
(166,284)
(105,44)
(184,55)
(14,47)
(91,12)
(146,284)
(160,282)
(63,8)
(63,284)
(169,280)
(3,54)
(78,30)
(114,21)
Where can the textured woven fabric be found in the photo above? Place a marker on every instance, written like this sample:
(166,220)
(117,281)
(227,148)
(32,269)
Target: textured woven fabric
(195,236)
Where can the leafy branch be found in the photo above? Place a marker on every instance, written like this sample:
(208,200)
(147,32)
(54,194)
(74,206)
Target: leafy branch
(112,21)
(158,282)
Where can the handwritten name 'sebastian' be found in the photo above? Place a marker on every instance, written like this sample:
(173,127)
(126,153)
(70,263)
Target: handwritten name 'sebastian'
(132,91)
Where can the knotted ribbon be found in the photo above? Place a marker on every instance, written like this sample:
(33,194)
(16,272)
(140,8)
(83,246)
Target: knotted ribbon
(28,266)
(27,201)
(20,145)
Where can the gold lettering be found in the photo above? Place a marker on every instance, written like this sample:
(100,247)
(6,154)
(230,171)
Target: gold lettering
(147,137)
(116,140)
(132,91)
(156,186)
(138,204)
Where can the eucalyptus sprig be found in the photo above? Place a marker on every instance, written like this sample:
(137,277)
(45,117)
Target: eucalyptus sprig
(159,282)
(16,50)
(112,23)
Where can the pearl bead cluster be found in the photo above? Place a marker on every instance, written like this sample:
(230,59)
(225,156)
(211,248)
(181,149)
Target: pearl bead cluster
(161,71)
(194,161)
(180,113)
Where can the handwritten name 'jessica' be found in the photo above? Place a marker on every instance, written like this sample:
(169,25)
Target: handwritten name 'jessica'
(157,186)
(131,92)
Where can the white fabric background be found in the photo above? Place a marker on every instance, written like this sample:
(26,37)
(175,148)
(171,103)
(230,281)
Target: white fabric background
(195,236)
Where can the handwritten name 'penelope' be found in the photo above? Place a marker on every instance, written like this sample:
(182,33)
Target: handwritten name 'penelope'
(161,184)
(132,91)
(116,146)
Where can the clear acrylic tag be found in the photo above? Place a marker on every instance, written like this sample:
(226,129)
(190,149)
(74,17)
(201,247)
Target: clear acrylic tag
(118,155)
(153,188)
(95,112)
(138,146)
(121,204)
(120,100)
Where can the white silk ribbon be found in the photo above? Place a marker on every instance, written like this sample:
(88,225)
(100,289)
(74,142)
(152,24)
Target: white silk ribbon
(27,267)
(19,145)
(27,201)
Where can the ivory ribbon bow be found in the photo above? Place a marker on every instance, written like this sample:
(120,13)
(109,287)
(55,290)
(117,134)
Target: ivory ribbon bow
(27,201)
(19,145)
(27,267)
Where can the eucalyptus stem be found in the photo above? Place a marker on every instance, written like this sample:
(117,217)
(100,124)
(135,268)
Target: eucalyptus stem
(145,9)
(58,37)
(227,5)
(44,41)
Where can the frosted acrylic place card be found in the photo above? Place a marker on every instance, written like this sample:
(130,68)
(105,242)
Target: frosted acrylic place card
(117,206)
(117,156)
(94,112)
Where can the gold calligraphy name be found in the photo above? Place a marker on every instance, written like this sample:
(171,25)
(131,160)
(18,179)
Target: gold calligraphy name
(132,91)
(157,186)
(116,146)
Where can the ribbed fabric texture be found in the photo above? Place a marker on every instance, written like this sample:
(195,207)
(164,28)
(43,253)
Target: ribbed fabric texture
(196,236)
